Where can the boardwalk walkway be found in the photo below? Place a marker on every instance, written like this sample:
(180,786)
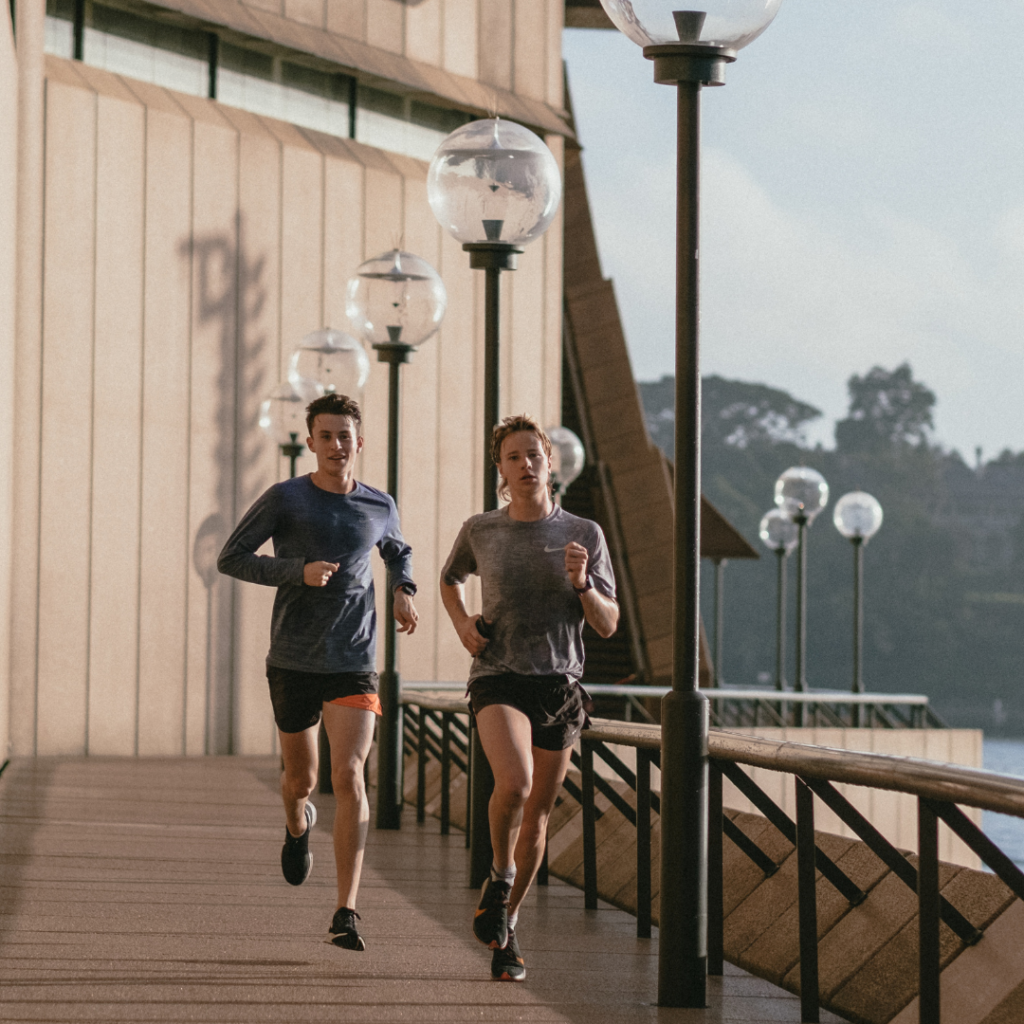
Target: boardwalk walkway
(150,890)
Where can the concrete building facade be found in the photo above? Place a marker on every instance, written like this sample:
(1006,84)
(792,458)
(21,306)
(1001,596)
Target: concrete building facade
(161,254)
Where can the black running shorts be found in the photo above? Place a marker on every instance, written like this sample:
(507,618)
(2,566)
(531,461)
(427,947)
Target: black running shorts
(298,697)
(553,704)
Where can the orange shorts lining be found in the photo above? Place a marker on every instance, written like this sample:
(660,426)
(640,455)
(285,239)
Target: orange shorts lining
(363,701)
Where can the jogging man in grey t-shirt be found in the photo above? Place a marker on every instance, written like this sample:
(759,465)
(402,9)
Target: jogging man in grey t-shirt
(323,634)
(543,572)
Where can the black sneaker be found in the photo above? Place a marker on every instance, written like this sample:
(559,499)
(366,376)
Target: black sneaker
(490,924)
(507,963)
(343,930)
(296,860)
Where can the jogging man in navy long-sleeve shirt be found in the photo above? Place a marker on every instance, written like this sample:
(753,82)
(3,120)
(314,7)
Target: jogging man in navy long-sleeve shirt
(323,634)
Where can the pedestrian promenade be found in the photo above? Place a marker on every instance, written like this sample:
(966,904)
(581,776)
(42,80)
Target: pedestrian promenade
(150,890)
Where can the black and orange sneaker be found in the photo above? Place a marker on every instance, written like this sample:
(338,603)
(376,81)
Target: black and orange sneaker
(490,924)
(343,931)
(296,860)
(507,963)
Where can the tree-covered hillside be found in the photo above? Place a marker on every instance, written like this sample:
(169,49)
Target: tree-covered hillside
(944,577)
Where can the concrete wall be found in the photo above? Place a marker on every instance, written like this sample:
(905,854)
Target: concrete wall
(8,248)
(188,248)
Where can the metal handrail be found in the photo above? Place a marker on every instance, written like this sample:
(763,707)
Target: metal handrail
(724,693)
(938,787)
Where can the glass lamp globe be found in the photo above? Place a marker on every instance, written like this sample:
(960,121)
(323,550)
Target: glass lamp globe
(396,298)
(567,457)
(332,360)
(857,516)
(729,23)
(801,490)
(494,181)
(778,531)
(283,412)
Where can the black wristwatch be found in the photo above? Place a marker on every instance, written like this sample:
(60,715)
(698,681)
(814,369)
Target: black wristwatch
(407,588)
(588,584)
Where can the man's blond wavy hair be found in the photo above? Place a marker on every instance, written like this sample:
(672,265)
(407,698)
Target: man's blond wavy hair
(515,425)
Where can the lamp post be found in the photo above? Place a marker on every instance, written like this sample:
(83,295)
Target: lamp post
(690,50)
(858,517)
(801,493)
(779,533)
(567,459)
(283,416)
(396,301)
(494,186)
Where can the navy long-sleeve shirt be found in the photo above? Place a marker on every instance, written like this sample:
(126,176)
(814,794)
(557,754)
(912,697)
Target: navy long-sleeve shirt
(320,629)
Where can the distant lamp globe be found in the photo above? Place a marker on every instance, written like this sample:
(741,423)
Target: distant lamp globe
(778,532)
(567,458)
(494,181)
(333,360)
(283,412)
(857,516)
(801,492)
(725,23)
(396,299)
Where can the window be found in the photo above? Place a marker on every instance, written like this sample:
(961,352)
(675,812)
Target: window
(193,61)
(285,90)
(402,125)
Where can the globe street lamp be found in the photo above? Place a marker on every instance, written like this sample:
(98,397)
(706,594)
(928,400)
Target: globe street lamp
(283,416)
(780,534)
(494,186)
(858,517)
(567,459)
(335,360)
(690,49)
(801,493)
(396,301)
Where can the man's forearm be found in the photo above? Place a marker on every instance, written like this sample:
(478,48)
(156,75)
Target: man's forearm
(454,601)
(601,612)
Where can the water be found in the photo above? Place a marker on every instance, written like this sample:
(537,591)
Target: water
(1006,831)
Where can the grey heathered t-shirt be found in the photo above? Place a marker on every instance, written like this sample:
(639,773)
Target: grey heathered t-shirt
(320,629)
(536,616)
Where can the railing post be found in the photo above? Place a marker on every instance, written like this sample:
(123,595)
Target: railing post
(807,902)
(928,909)
(716,893)
(643,844)
(589,826)
(446,772)
(421,767)
(470,730)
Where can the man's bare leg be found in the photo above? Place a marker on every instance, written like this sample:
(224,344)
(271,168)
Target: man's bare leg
(549,768)
(299,753)
(505,734)
(350,732)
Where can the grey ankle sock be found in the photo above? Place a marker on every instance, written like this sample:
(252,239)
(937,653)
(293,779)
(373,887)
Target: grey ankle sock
(512,919)
(508,875)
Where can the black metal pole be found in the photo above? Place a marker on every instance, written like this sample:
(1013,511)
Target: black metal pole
(719,619)
(292,450)
(685,711)
(492,258)
(389,730)
(800,682)
(780,620)
(807,903)
(858,622)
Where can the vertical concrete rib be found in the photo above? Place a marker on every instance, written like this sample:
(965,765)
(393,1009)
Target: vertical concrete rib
(30,16)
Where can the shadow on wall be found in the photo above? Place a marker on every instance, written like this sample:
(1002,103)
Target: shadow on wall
(230,353)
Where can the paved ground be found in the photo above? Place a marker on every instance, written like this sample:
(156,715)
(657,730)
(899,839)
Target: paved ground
(150,890)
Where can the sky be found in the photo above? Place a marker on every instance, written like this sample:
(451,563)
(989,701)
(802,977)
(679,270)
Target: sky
(862,204)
